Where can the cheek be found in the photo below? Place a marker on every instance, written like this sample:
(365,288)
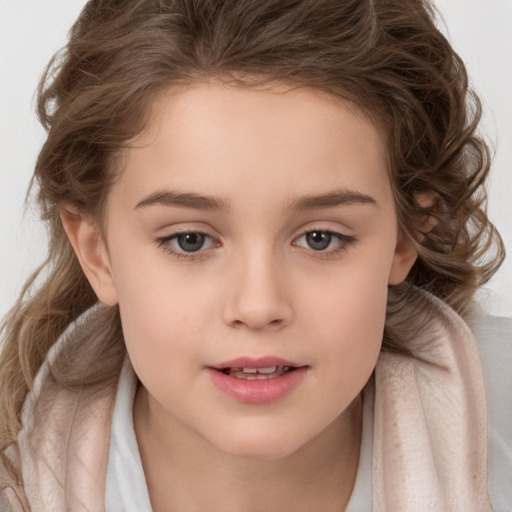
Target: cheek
(161,315)
(347,317)
(161,311)
(153,291)
(165,343)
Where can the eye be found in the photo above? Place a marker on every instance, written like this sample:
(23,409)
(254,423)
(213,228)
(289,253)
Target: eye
(324,241)
(190,242)
(186,243)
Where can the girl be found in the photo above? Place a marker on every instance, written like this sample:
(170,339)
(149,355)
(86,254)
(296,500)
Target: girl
(267,223)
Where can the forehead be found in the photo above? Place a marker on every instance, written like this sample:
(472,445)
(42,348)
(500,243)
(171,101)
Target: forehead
(213,138)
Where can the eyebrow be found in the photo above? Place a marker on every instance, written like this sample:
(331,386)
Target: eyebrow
(187,200)
(331,200)
(195,201)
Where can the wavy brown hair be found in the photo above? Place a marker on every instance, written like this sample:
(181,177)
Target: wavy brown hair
(386,56)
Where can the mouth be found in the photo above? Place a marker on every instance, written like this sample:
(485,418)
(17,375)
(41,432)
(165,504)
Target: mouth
(257,381)
(248,373)
(259,368)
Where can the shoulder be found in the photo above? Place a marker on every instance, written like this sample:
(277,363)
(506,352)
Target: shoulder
(494,339)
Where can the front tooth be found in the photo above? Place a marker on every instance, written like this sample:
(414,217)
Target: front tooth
(270,369)
(249,370)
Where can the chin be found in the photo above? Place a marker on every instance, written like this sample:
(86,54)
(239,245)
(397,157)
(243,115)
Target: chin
(260,445)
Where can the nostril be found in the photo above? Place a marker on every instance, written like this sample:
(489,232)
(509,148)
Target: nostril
(255,315)
(258,323)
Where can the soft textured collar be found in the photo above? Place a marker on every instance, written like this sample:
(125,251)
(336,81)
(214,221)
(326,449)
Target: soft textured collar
(430,429)
(62,447)
(430,423)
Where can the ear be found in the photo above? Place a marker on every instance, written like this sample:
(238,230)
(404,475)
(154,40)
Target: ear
(405,253)
(403,259)
(91,251)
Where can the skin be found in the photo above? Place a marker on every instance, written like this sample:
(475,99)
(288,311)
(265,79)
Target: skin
(256,288)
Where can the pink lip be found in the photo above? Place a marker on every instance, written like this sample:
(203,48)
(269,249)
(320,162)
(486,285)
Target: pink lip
(257,391)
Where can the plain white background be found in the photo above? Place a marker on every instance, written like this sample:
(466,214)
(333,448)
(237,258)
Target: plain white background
(32,30)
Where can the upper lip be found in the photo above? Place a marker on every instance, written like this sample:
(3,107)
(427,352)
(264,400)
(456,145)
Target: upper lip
(251,362)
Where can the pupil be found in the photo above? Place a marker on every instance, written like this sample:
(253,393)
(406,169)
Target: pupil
(318,240)
(190,242)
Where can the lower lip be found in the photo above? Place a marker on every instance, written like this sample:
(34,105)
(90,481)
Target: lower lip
(258,391)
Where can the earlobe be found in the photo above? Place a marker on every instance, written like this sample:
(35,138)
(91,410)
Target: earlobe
(403,260)
(90,249)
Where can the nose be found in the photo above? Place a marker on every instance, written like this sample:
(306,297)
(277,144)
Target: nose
(258,298)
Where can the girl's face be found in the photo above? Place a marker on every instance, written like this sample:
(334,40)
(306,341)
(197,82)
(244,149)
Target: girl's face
(252,229)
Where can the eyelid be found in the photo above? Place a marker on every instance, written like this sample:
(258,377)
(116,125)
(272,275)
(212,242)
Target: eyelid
(344,239)
(164,242)
(343,232)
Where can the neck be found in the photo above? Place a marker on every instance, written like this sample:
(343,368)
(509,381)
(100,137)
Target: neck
(185,472)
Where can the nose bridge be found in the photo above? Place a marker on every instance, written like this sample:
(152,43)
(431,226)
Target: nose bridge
(259,293)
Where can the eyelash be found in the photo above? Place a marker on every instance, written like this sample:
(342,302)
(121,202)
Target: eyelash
(164,242)
(345,242)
